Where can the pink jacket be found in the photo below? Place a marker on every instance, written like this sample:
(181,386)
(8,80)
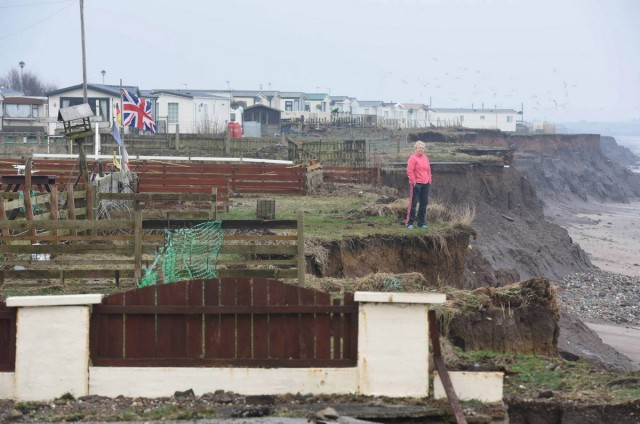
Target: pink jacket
(419,169)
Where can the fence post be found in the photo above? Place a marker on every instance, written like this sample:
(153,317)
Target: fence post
(53,201)
(301,261)
(137,237)
(52,346)
(393,343)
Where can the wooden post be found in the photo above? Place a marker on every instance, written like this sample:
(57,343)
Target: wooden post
(214,203)
(301,260)
(71,207)
(137,240)
(26,190)
(89,201)
(53,202)
(177,137)
(5,233)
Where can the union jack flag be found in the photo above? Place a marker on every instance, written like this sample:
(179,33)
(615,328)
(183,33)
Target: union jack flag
(137,112)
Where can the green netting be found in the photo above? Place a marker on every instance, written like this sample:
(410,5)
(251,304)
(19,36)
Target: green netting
(35,207)
(188,254)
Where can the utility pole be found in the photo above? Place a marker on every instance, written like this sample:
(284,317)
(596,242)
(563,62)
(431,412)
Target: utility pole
(81,154)
(21,79)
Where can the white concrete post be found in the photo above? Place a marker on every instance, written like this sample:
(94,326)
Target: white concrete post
(52,345)
(393,343)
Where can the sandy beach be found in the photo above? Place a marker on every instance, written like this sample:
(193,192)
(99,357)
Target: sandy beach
(610,234)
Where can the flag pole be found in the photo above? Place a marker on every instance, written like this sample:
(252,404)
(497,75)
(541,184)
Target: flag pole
(120,125)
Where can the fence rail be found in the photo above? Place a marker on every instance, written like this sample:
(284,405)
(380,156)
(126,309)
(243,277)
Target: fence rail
(225,322)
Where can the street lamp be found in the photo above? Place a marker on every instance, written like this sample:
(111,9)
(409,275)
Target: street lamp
(21,84)
(103,72)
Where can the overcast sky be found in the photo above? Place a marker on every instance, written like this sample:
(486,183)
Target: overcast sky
(564,60)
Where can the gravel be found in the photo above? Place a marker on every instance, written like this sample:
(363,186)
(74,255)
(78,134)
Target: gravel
(601,297)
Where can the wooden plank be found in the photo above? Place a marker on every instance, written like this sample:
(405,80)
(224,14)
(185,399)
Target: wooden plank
(336,333)
(350,329)
(212,319)
(260,334)
(107,331)
(248,249)
(71,224)
(156,197)
(244,321)
(61,249)
(276,320)
(323,328)
(307,338)
(137,249)
(291,323)
(302,266)
(140,334)
(172,328)
(195,327)
(52,274)
(228,330)
(257,273)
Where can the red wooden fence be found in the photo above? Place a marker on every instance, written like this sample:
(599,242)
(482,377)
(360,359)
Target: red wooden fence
(239,178)
(7,338)
(225,322)
(184,177)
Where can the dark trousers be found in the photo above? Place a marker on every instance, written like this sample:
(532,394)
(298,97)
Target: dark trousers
(420,198)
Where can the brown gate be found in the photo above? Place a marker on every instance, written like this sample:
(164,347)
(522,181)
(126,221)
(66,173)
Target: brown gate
(7,338)
(239,322)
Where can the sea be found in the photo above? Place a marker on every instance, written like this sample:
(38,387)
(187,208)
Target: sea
(632,142)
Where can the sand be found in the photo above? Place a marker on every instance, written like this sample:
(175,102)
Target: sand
(610,234)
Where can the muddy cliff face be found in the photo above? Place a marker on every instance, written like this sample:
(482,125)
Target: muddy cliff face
(439,261)
(514,241)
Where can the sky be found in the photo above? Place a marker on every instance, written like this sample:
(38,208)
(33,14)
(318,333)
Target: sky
(556,60)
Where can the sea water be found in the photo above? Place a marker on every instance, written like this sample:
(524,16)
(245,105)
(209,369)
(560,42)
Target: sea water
(631,142)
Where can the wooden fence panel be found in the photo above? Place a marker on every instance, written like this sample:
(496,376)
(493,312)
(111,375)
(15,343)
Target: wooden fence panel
(7,338)
(247,322)
(350,175)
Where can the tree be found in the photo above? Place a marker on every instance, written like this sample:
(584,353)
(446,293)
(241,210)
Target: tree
(25,82)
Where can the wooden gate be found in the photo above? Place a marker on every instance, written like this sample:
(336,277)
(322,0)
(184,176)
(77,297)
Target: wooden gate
(234,322)
(7,338)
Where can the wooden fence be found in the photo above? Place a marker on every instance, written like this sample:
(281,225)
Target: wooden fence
(186,177)
(201,177)
(350,175)
(118,248)
(329,152)
(225,322)
(7,337)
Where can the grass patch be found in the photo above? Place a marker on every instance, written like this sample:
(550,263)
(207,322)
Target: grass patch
(528,375)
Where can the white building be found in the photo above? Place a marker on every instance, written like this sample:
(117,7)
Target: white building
(495,119)
(196,112)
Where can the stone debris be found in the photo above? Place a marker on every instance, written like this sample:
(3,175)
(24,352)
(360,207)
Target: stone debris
(601,297)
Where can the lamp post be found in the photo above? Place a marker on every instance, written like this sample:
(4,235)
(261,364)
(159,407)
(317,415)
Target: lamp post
(103,72)
(21,83)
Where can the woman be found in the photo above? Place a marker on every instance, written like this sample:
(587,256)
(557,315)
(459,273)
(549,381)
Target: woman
(419,173)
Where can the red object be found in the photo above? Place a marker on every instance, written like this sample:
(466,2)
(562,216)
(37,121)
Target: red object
(235,130)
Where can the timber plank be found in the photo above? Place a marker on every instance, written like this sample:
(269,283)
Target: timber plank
(260,334)
(140,334)
(244,322)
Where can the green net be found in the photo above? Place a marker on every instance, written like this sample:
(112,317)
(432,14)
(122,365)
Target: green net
(188,254)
